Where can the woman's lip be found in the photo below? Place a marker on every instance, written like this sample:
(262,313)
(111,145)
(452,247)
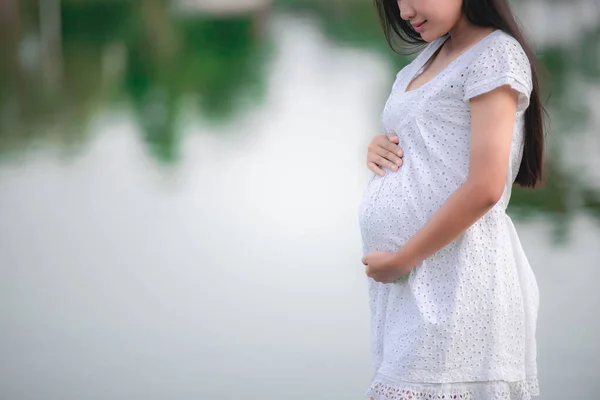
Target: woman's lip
(418,26)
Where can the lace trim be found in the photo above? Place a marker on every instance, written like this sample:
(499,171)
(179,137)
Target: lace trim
(534,385)
(488,390)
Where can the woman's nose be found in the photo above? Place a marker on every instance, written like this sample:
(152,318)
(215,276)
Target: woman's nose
(407,11)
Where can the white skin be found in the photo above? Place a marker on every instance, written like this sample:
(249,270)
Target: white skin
(492,120)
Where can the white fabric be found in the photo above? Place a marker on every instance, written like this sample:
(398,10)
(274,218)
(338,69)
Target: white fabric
(463,322)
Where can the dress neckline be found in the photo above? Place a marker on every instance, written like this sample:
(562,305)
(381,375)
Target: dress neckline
(431,50)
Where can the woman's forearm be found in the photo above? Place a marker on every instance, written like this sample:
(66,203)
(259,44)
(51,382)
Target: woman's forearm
(462,209)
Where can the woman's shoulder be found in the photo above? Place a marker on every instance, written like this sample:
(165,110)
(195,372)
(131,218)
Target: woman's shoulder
(500,60)
(502,50)
(508,44)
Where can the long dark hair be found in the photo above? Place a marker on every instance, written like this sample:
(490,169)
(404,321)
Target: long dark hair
(496,14)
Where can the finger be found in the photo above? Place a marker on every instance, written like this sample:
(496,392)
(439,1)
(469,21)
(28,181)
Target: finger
(380,158)
(397,150)
(383,163)
(394,149)
(373,167)
(393,137)
(387,150)
(392,144)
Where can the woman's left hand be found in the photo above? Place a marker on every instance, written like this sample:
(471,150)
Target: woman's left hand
(384,266)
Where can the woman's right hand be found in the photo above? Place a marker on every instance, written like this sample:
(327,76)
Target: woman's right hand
(384,152)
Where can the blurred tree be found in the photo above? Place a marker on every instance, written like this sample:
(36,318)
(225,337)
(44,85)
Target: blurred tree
(350,22)
(54,112)
(172,58)
(166,57)
(151,79)
(225,60)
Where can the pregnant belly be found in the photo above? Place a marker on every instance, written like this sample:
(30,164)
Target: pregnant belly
(395,206)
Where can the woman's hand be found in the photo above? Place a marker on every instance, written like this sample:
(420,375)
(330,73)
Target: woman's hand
(385,266)
(384,152)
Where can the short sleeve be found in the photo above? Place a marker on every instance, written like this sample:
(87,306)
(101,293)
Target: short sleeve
(503,62)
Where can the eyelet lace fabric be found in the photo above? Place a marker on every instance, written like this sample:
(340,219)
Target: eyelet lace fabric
(494,390)
(463,320)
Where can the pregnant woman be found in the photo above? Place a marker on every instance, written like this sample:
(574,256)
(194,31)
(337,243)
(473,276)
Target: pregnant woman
(452,296)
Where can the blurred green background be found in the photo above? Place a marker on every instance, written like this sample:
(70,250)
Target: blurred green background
(179,183)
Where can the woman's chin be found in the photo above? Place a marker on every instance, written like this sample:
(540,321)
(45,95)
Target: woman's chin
(430,36)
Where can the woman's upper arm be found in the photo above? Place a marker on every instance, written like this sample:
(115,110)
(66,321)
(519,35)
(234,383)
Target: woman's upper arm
(497,86)
(492,122)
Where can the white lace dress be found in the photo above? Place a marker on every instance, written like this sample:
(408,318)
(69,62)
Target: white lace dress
(462,324)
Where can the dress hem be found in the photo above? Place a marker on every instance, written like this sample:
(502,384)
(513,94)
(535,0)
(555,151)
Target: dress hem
(385,388)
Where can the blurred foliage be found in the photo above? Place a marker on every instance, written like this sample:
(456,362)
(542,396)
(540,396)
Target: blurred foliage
(350,22)
(168,58)
(150,57)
